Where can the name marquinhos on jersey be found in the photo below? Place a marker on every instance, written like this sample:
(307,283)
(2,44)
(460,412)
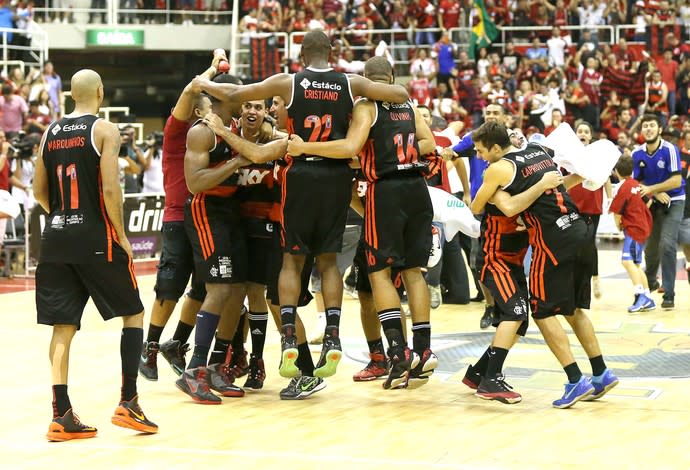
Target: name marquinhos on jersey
(72,142)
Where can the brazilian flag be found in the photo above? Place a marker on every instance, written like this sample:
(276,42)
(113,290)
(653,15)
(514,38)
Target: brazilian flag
(484,31)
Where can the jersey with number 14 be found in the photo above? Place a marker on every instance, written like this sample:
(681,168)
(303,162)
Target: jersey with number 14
(321,105)
(77,228)
(392,146)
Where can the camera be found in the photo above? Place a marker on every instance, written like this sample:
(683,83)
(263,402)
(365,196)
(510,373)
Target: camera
(21,146)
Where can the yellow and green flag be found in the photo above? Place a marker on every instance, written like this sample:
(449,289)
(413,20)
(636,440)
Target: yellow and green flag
(484,31)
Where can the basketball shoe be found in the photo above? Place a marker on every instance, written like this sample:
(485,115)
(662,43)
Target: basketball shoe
(68,427)
(148,367)
(602,384)
(331,353)
(174,352)
(402,360)
(420,374)
(194,382)
(472,378)
(239,365)
(377,367)
(256,375)
(302,387)
(574,393)
(128,414)
(496,388)
(288,345)
(487,318)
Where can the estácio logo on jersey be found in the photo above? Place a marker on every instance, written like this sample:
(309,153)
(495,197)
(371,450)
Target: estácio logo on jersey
(74,127)
(320,85)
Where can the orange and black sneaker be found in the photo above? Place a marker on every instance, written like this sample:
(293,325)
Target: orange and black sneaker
(68,427)
(128,414)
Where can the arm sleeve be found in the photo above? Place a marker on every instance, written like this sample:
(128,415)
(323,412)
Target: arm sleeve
(465,144)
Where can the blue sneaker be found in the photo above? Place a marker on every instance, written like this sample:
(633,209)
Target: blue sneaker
(640,302)
(649,303)
(574,393)
(602,384)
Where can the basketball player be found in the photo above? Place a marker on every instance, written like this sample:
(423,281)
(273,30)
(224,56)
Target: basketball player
(392,137)
(176,262)
(320,101)
(556,232)
(85,252)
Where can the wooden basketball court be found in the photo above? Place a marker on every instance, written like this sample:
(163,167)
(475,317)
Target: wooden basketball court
(644,422)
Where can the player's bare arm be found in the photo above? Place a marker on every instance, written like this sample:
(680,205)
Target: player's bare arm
(513,205)
(198,175)
(40,183)
(377,91)
(356,201)
(185,102)
(107,138)
(279,84)
(652,190)
(357,134)
(497,175)
(255,153)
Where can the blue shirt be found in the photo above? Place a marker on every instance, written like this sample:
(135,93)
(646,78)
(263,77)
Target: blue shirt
(477,165)
(658,167)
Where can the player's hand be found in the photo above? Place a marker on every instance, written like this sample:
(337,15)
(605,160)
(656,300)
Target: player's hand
(467,199)
(218,55)
(551,179)
(663,198)
(243,161)
(265,132)
(214,122)
(644,190)
(295,145)
(196,84)
(124,243)
(447,153)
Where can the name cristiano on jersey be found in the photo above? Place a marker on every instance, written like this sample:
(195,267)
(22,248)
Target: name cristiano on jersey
(321,95)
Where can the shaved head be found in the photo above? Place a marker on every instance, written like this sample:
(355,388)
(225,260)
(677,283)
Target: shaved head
(378,69)
(85,85)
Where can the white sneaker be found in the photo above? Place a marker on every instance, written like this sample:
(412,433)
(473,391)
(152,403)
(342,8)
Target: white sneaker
(435,296)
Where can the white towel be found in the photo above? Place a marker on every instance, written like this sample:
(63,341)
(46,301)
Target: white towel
(8,204)
(453,214)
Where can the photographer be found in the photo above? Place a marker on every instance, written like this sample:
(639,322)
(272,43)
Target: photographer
(23,148)
(153,164)
(134,157)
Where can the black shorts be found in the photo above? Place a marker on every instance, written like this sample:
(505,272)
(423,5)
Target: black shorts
(218,239)
(275,263)
(259,245)
(362,283)
(62,290)
(585,265)
(506,282)
(397,223)
(315,200)
(176,265)
(552,270)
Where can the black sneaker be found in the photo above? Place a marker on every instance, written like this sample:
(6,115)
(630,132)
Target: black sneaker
(472,378)
(129,414)
(496,388)
(239,365)
(300,388)
(420,374)
(288,345)
(194,382)
(331,353)
(68,427)
(174,352)
(402,361)
(148,367)
(256,375)
(220,379)
(487,318)
(667,304)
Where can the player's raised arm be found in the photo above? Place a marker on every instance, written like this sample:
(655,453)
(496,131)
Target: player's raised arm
(256,153)
(280,84)
(378,91)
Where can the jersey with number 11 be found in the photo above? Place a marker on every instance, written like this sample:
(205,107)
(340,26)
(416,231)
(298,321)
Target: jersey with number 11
(321,105)
(77,229)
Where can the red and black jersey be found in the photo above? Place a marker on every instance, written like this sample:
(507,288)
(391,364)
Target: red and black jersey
(220,154)
(656,93)
(321,105)
(501,240)
(258,191)
(392,145)
(78,229)
(554,209)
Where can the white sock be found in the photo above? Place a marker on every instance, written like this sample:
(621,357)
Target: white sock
(647,293)
(639,289)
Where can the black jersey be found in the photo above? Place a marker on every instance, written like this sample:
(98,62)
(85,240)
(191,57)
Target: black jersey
(392,144)
(321,105)
(501,237)
(554,209)
(219,155)
(77,228)
(258,190)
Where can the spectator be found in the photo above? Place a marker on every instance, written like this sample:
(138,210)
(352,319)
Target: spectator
(449,13)
(13,109)
(556,45)
(444,52)
(537,57)
(36,122)
(45,105)
(359,33)
(398,21)
(421,15)
(53,83)
(423,66)
(656,98)
(590,80)
(591,14)
(153,164)
(657,166)
(669,70)
(483,64)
